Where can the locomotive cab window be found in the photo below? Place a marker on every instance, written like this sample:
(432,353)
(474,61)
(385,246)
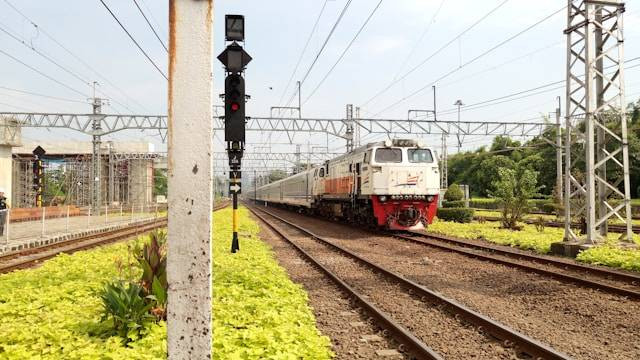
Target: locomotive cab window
(388,155)
(321,172)
(419,156)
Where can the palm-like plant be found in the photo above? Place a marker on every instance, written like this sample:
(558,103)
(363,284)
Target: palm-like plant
(152,258)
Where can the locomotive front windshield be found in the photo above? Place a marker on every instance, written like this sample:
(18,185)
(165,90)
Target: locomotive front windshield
(388,155)
(419,156)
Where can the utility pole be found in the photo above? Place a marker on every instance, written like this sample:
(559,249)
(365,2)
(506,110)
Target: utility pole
(96,126)
(190,173)
(357,128)
(459,104)
(299,100)
(111,174)
(559,174)
(349,130)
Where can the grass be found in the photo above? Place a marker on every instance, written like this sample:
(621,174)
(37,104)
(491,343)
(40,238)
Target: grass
(540,241)
(53,312)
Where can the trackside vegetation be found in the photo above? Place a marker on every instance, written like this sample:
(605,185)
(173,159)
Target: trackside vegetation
(56,311)
(539,239)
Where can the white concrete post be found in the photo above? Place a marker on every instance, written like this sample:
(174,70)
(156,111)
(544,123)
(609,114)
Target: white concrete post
(132,208)
(67,223)
(43,215)
(106,214)
(121,212)
(89,218)
(8,224)
(190,175)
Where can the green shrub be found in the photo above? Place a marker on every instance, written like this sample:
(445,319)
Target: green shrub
(126,305)
(454,193)
(514,188)
(453,204)
(459,215)
(488,204)
(152,258)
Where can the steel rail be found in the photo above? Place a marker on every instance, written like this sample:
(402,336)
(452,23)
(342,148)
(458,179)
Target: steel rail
(632,279)
(616,228)
(484,323)
(402,335)
(82,243)
(38,254)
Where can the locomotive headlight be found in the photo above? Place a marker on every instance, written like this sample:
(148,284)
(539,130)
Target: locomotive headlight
(388,143)
(430,198)
(382,198)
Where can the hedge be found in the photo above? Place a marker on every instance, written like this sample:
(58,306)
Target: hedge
(454,204)
(454,193)
(459,215)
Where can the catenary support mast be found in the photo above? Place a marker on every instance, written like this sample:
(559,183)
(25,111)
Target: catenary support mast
(596,125)
(190,144)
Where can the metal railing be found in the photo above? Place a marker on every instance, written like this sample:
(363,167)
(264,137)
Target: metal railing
(70,219)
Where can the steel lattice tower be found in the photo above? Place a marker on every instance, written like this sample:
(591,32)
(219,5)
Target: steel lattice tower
(596,119)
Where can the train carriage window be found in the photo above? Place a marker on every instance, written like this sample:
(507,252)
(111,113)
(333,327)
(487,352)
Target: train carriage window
(367,157)
(388,155)
(419,156)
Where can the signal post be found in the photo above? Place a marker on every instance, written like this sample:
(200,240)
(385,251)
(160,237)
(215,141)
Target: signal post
(235,59)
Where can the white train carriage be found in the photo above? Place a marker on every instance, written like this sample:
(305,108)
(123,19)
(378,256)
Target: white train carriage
(393,184)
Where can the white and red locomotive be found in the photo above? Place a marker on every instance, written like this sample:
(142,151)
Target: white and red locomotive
(392,184)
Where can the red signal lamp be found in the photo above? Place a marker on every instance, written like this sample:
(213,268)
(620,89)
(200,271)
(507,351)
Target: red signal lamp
(235,106)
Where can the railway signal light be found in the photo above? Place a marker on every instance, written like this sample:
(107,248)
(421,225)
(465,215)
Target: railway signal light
(234,114)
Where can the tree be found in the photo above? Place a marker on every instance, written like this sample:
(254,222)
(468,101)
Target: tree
(276,175)
(159,182)
(513,189)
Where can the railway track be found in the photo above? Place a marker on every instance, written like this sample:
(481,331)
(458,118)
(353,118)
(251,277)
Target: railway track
(616,228)
(604,279)
(335,261)
(32,256)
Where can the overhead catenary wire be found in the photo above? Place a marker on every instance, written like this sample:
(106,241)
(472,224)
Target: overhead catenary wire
(134,40)
(304,49)
(324,44)
(473,60)
(41,30)
(42,95)
(344,51)
(42,73)
(417,43)
(150,26)
(439,50)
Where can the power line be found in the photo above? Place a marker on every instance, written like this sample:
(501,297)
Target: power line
(41,73)
(80,60)
(48,58)
(304,49)
(344,51)
(42,95)
(134,40)
(466,30)
(150,26)
(415,46)
(333,29)
(483,54)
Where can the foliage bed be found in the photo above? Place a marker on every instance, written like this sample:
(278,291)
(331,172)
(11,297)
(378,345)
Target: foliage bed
(529,238)
(53,312)
(259,312)
(456,214)
(546,217)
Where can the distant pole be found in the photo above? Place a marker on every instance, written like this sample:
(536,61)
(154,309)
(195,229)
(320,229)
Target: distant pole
(190,175)
(559,175)
(96,126)
(299,100)
(459,104)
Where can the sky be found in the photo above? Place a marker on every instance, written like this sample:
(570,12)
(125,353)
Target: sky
(85,44)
